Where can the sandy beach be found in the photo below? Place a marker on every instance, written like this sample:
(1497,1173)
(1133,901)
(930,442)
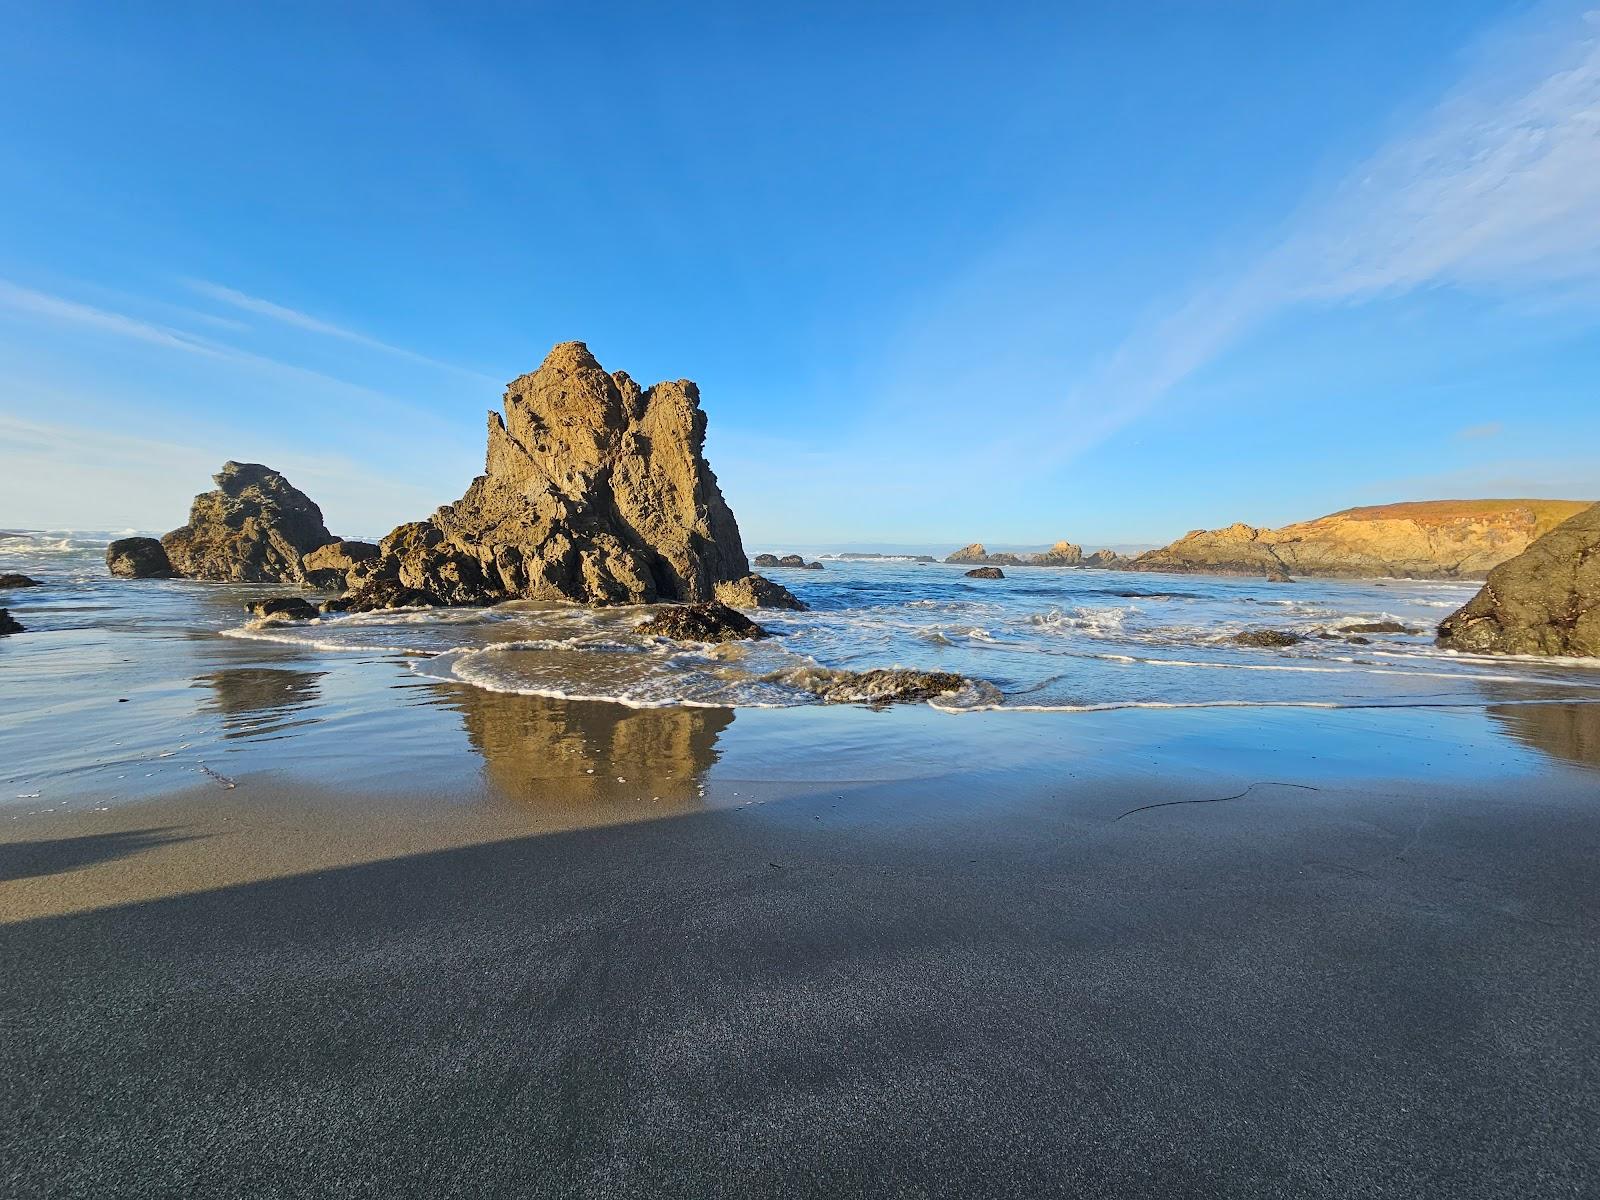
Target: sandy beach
(803,965)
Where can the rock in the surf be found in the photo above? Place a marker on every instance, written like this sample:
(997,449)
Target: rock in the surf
(1266,639)
(885,685)
(708,621)
(293,608)
(757,591)
(18,581)
(254,528)
(375,595)
(138,558)
(985,573)
(9,624)
(1544,601)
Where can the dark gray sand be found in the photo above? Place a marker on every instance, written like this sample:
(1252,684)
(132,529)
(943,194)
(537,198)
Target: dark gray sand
(983,984)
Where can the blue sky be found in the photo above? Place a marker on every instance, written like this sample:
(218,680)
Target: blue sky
(943,272)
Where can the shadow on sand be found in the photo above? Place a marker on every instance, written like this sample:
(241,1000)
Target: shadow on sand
(28,860)
(791,1000)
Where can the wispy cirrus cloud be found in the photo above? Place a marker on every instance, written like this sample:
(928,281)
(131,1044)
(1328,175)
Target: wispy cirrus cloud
(311,324)
(60,310)
(1496,189)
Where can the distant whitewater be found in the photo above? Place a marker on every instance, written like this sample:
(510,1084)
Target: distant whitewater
(1043,639)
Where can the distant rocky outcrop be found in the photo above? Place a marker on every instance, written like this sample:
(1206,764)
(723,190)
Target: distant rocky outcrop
(18,581)
(9,624)
(138,558)
(1437,539)
(1546,600)
(254,528)
(1062,554)
(985,573)
(798,562)
(708,621)
(594,490)
(1103,559)
(878,556)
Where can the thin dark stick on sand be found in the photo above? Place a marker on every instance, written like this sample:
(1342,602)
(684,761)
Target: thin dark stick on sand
(1306,787)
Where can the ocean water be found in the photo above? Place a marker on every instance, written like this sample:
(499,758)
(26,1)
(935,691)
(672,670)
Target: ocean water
(1042,639)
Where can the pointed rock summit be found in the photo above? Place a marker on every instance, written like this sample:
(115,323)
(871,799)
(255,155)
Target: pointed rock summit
(594,490)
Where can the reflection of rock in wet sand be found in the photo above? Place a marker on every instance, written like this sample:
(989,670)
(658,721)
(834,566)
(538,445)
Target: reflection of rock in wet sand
(257,700)
(563,751)
(1570,731)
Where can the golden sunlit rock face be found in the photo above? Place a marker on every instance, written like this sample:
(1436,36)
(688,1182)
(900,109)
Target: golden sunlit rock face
(1436,539)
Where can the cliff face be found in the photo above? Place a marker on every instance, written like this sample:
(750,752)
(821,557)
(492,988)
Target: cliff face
(1546,600)
(1438,539)
(254,528)
(594,490)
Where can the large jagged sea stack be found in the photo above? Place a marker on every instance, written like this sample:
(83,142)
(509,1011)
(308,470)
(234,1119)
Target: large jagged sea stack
(594,490)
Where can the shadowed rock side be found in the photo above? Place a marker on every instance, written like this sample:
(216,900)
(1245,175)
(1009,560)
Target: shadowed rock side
(1435,539)
(9,624)
(594,490)
(1544,601)
(985,573)
(138,558)
(18,581)
(254,528)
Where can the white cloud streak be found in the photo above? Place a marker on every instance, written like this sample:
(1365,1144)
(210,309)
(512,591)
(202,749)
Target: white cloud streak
(299,320)
(1497,189)
(71,312)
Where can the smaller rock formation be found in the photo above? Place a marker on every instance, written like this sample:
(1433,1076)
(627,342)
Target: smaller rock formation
(291,607)
(985,573)
(1266,639)
(339,565)
(254,528)
(798,562)
(18,581)
(378,594)
(764,560)
(8,624)
(1377,627)
(757,591)
(708,621)
(138,558)
(1104,559)
(1546,600)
